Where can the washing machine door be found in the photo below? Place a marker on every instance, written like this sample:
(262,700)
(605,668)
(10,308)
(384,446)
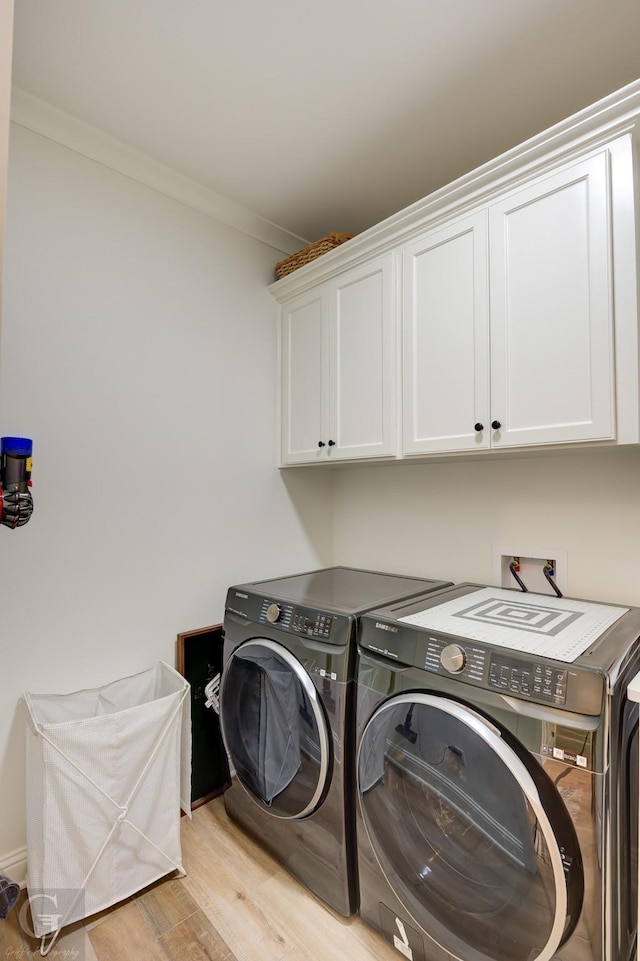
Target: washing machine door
(468,830)
(274,729)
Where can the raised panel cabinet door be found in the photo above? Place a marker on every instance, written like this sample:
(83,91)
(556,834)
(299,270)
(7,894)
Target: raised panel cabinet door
(304,380)
(552,366)
(445,339)
(363,362)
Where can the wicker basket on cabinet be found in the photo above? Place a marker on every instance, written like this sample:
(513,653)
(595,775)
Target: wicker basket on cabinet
(307,254)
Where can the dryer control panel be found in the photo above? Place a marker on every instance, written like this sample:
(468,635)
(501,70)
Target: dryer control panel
(311,623)
(280,615)
(298,620)
(303,621)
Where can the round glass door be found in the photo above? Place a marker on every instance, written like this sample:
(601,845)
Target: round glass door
(274,729)
(469,831)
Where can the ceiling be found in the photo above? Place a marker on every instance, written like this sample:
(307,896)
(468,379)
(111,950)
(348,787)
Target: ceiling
(331,115)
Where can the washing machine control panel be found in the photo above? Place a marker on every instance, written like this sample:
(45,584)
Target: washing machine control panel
(465,660)
(515,676)
(453,658)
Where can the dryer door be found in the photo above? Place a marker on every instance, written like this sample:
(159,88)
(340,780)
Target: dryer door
(274,729)
(470,833)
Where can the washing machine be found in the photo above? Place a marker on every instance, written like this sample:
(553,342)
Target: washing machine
(287,716)
(497,777)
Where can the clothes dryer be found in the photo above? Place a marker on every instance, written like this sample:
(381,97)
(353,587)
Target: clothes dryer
(287,716)
(497,777)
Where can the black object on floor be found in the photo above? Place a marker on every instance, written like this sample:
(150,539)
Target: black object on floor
(9,892)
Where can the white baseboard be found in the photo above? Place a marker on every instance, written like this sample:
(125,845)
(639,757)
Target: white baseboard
(14,865)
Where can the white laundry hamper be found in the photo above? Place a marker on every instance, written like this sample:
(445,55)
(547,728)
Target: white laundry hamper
(108,771)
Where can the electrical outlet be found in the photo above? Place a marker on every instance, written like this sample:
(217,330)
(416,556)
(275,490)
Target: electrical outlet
(532,562)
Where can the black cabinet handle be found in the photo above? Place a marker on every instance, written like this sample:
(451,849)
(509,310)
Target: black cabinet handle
(332,443)
(496,425)
(320,443)
(478,427)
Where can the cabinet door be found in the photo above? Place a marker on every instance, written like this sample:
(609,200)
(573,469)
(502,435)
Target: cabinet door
(552,377)
(363,361)
(445,339)
(304,352)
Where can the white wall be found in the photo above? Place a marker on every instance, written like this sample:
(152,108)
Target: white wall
(139,352)
(6,54)
(443,520)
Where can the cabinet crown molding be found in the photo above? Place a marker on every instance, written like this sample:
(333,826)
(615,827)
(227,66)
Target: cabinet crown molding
(597,124)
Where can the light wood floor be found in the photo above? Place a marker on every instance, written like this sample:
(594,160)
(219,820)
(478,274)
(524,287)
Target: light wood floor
(236,902)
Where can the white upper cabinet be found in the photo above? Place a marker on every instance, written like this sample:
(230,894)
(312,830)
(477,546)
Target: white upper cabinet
(508,315)
(516,310)
(552,363)
(339,368)
(446,339)
(362,368)
(305,383)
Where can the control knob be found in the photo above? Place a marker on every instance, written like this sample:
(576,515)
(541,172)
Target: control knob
(453,658)
(273,613)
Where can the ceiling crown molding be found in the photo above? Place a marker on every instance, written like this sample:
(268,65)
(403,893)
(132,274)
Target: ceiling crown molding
(54,124)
